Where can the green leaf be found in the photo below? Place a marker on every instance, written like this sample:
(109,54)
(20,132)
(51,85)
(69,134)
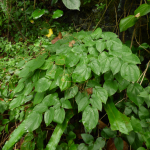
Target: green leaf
(142,9)
(118,121)
(104,62)
(24,72)
(142,46)
(127,22)
(36,76)
(116,44)
(81,73)
(88,42)
(138,141)
(71,136)
(19,87)
(35,63)
(3,106)
(108,133)
(96,102)
(143,113)
(15,136)
(50,73)
(131,137)
(38,13)
(93,51)
(82,146)
(59,115)
(60,60)
(109,35)
(58,75)
(71,92)
(97,33)
(16,102)
(33,121)
(20,63)
(44,31)
(100,93)
(121,51)
(28,145)
(66,103)
(95,66)
(51,99)
(65,81)
(119,143)
(49,116)
(56,14)
(72,4)
(111,87)
(122,83)
(108,76)
(132,91)
(100,143)
(48,64)
(136,124)
(5,121)
(90,117)
(100,45)
(79,96)
(59,130)
(87,138)
(115,65)
(133,59)
(130,72)
(42,85)
(83,103)
(92,83)
(38,98)
(141,148)
(127,111)
(71,59)
(28,88)
(80,35)
(53,2)
(147,138)
(40,108)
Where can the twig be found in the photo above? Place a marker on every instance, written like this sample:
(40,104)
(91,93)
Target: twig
(140,77)
(120,101)
(133,35)
(141,46)
(102,16)
(145,72)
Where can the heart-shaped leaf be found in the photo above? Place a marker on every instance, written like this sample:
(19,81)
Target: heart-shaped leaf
(56,14)
(38,13)
(72,4)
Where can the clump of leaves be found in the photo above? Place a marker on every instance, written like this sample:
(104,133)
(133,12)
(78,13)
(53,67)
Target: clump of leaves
(83,77)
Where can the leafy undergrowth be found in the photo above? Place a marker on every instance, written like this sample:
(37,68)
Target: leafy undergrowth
(83,92)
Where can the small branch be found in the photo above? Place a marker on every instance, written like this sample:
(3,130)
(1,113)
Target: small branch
(145,72)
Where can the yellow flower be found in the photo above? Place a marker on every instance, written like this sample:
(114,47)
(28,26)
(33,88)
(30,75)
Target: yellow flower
(32,21)
(50,33)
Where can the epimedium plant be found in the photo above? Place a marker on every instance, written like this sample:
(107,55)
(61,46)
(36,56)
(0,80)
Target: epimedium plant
(82,73)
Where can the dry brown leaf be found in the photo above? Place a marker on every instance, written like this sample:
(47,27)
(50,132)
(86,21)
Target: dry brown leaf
(57,38)
(60,35)
(137,15)
(101,124)
(89,90)
(71,43)
(1,57)
(111,145)
(1,99)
